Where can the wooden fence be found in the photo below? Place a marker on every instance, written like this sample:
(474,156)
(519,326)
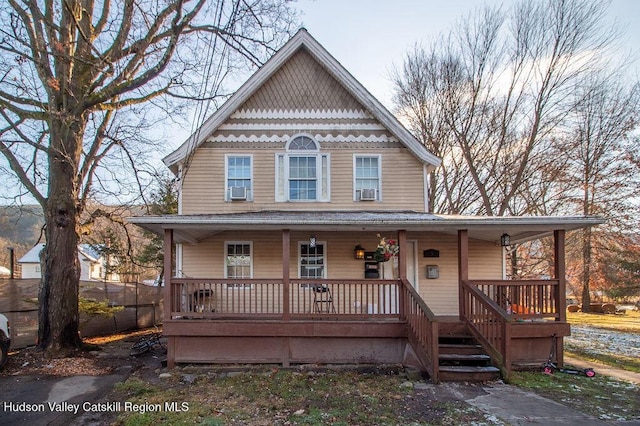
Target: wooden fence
(142,308)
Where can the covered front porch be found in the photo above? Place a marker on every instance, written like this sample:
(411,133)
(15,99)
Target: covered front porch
(288,320)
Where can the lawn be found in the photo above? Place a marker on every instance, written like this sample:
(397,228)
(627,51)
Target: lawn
(628,322)
(611,339)
(291,397)
(385,397)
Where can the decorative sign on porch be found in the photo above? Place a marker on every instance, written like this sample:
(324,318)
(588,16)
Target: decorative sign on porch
(431,253)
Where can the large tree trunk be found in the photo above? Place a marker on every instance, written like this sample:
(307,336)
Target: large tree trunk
(58,311)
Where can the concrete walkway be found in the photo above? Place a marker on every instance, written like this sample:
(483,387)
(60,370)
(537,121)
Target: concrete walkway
(516,406)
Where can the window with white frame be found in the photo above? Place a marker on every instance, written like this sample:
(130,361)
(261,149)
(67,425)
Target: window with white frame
(238,262)
(302,173)
(366,176)
(239,177)
(312,261)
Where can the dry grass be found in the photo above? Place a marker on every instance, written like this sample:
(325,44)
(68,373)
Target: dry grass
(628,322)
(276,397)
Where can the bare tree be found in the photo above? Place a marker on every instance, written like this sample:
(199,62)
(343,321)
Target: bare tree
(489,95)
(76,80)
(600,177)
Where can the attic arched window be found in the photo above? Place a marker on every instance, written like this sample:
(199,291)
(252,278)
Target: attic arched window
(302,172)
(302,143)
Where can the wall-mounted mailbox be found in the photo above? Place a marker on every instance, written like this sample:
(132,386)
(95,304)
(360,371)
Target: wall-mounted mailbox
(433,272)
(371,270)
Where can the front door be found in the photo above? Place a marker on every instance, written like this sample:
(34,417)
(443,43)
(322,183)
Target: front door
(412,267)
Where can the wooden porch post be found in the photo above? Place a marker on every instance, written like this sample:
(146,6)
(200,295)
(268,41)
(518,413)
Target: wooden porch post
(463,266)
(168,271)
(560,274)
(402,270)
(561,293)
(285,342)
(168,274)
(286,248)
(402,255)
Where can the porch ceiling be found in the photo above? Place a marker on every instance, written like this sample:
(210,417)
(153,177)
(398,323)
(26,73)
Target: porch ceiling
(195,228)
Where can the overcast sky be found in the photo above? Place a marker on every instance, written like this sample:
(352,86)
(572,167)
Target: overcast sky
(369,37)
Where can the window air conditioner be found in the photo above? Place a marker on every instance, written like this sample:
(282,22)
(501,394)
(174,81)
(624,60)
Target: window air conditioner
(368,194)
(238,193)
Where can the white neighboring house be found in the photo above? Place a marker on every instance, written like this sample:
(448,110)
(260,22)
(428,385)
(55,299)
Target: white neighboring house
(92,264)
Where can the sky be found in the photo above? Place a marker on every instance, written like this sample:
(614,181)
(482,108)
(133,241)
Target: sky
(370,37)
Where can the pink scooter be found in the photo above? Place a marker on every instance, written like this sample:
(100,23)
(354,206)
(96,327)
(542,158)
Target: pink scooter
(550,366)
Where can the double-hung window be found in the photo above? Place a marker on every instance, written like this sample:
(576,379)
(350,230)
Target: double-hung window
(366,177)
(302,173)
(239,177)
(238,264)
(312,261)
(303,178)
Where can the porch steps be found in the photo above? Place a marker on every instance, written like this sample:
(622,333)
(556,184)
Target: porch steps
(461,359)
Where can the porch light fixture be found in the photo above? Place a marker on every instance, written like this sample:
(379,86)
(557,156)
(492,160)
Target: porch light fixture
(505,240)
(312,242)
(358,252)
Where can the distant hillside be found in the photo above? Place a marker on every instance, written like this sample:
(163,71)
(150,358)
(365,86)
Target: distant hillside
(21,224)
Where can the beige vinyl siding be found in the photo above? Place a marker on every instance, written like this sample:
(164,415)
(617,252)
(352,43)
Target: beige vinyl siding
(203,185)
(203,182)
(206,260)
(441,294)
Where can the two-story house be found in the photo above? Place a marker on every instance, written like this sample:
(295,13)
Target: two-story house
(285,194)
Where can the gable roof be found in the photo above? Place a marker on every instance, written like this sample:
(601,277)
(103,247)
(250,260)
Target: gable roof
(302,39)
(85,251)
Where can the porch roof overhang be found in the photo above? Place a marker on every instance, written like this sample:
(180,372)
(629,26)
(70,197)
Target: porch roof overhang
(197,227)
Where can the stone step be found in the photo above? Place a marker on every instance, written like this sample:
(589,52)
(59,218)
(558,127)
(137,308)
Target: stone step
(467,373)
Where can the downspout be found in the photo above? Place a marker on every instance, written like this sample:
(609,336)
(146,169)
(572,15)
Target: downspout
(178,183)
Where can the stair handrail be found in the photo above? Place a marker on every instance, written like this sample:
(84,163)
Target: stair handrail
(494,315)
(423,337)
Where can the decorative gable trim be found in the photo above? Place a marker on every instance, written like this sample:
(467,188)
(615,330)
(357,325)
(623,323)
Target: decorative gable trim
(300,114)
(286,137)
(302,39)
(302,126)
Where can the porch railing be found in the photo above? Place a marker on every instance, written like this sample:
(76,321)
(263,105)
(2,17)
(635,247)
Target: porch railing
(525,299)
(422,329)
(263,298)
(489,323)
